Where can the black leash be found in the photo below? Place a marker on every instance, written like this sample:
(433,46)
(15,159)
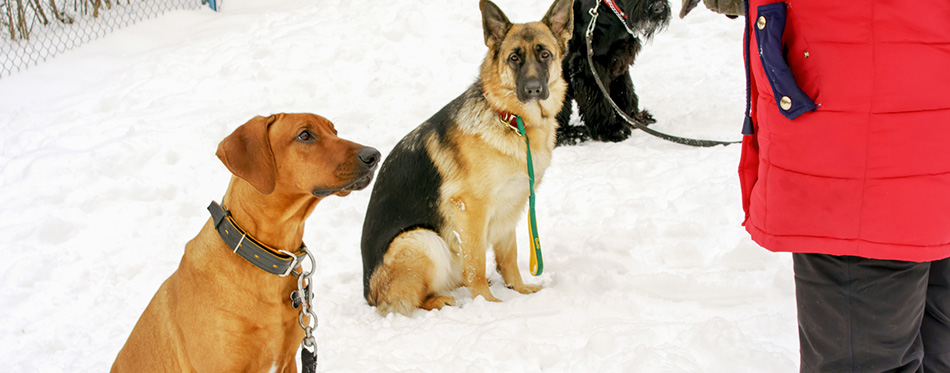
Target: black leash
(630,122)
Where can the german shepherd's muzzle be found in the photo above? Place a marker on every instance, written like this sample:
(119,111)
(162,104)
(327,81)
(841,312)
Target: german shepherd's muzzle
(531,68)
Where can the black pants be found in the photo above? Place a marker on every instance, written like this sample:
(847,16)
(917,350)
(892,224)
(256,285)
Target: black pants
(868,315)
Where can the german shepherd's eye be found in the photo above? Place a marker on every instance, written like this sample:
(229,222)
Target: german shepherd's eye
(514,58)
(306,136)
(545,55)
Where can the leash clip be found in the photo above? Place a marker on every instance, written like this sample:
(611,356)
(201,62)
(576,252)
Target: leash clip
(590,27)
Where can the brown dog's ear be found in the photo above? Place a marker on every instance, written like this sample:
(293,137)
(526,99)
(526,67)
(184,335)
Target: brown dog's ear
(247,154)
(560,19)
(494,23)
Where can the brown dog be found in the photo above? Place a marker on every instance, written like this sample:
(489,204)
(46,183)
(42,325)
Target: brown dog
(219,312)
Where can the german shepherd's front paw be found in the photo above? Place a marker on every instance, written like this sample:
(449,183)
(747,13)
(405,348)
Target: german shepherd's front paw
(484,292)
(526,289)
(436,303)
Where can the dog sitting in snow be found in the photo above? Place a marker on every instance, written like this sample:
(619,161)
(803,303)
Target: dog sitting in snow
(228,306)
(458,183)
(615,50)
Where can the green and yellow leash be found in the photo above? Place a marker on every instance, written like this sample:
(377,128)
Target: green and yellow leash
(536,265)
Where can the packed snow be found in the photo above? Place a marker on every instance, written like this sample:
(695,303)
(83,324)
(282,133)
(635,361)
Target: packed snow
(107,165)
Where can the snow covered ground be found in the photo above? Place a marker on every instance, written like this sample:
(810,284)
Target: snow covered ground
(107,164)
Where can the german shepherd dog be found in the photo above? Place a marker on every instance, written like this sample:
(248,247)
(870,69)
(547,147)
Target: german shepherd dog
(458,183)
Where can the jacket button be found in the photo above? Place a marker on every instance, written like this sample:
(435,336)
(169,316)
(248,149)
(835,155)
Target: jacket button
(785,103)
(760,23)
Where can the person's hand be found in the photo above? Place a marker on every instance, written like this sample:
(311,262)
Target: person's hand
(731,8)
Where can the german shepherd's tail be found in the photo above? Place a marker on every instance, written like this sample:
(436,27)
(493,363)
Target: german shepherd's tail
(417,268)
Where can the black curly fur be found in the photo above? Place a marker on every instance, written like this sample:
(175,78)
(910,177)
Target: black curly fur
(614,52)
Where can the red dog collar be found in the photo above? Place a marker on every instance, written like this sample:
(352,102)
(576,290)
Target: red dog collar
(509,118)
(613,6)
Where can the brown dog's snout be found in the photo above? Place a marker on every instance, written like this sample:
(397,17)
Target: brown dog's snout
(369,157)
(366,160)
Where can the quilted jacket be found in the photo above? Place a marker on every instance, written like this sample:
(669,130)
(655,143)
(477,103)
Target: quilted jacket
(847,136)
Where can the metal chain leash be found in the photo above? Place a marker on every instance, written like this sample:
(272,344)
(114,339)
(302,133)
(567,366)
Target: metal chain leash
(303,297)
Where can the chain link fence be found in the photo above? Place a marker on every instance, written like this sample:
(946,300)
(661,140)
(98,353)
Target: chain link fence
(35,30)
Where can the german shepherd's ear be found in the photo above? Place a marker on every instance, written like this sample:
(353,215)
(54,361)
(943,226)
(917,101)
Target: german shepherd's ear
(560,19)
(494,23)
(247,154)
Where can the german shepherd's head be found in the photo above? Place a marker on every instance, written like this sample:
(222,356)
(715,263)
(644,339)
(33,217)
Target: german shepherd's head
(524,60)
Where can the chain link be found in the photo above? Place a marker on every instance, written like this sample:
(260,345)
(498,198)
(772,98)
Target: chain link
(305,292)
(35,31)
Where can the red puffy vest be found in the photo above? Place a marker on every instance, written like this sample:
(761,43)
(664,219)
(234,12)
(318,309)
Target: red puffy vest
(847,145)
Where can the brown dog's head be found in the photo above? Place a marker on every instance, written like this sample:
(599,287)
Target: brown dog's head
(526,57)
(297,153)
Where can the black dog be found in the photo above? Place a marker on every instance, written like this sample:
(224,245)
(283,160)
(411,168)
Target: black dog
(615,50)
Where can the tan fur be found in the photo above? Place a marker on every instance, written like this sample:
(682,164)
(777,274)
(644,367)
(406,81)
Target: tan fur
(217,312)
(490,181)
(410,277)
(484,180)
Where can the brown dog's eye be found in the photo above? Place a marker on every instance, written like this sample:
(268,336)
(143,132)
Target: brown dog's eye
(545,54)
(514,57)
(306,136)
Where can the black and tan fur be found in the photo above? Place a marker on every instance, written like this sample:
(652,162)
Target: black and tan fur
(458,183)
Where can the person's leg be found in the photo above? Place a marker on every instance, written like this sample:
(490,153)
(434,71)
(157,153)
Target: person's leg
(859,315)
(935,329)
